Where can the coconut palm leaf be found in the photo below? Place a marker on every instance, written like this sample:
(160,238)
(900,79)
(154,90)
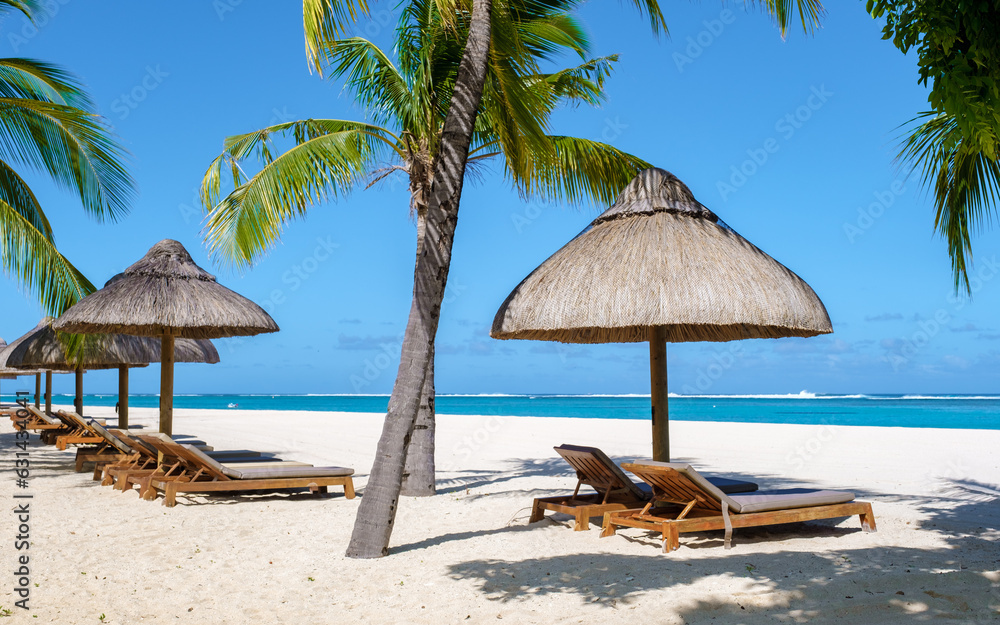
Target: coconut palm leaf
(37,80)
(965,184)
(325,20)
(32,259)
(783,12)
(329,158)
(578,170)
(70,145)
(17,196)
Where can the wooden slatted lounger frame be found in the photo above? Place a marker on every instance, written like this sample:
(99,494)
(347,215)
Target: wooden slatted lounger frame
(690,508)
(615,491)
(202,477)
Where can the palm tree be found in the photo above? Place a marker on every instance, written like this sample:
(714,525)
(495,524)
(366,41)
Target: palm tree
(377,512)
(373,526)
(49,125)
(411,99)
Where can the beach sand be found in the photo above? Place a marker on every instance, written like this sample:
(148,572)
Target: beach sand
(468,555)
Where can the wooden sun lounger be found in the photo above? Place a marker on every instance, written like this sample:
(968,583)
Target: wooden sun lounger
(30,418)
(615,491)
(693,504)
(124,471)
(205,475)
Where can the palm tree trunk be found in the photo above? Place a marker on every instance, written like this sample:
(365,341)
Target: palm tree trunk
(419,472)
(377,512)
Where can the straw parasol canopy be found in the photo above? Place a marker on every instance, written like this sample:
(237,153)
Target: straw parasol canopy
(42,348)
(166,295)
(660,267)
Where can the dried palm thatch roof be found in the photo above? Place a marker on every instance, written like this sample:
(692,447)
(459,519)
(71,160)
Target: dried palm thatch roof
(42,348)
(7,374)
(166,292)
(658,258)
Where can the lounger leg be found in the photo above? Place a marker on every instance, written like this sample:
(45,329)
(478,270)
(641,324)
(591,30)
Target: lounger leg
(349,488)
(608,527)
(868,520)
(322,490)
(537,511)
(146,490)
(98,472)
(108,479)
(79,462)
(169,494)
(671,538)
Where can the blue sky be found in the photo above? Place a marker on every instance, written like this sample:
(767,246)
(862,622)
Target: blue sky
(790,142)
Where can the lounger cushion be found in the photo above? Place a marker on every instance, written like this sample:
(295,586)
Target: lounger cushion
(761,501)
(765,501)
(262,473)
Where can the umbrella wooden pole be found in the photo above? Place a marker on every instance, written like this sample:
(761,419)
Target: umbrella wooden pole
(48,392)
(167,384)
(123,397)
(78,401)
(38,389)
(658,393)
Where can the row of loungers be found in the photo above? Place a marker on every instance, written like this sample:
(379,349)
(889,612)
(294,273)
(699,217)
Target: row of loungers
(157,463)
(674,498)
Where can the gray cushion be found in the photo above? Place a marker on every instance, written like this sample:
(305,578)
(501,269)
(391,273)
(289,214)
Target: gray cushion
(263,473)
(765,501)
(260,473)
(761,501)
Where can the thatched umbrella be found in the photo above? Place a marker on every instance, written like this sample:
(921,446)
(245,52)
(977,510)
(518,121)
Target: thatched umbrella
(7,373)
(42,348)
(658,266)
(166,295)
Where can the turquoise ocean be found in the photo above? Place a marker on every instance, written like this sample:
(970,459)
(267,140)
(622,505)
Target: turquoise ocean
(922,411)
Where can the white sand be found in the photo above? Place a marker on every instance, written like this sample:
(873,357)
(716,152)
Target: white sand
(468,555)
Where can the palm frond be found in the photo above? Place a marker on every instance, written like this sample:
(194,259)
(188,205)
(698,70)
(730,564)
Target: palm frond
(325,20)
(16,194)
(371,75)
(579,170)
(964,181)
(31,259)
(36,80)
(248,221)
(783,12)
(28,7)
(73,147)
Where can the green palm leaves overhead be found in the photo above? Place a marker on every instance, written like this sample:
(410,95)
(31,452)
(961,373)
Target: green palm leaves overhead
(49,126)
(407,95)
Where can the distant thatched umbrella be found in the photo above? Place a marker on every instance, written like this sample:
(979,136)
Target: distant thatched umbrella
(166,295)
(41,348)
(658,266)
(12,374)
